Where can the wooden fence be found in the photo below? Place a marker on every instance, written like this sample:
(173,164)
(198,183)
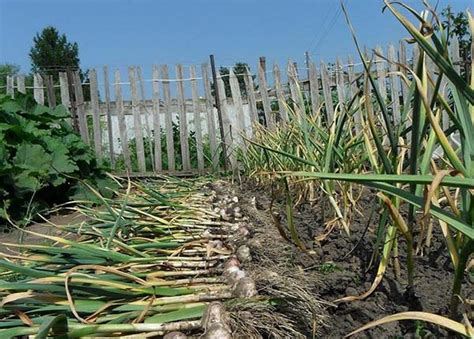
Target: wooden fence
(125,131)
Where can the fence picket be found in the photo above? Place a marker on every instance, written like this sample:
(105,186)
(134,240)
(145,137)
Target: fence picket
(295,90)
(156,119)
(137,122)
(394,85)
(183,124)
(239,109)
(455,56)
(10,86)
(121,122)
(314,90)
(263,89)
(381,73)
(211,125)
(327,94)
(168,119)
(110,129)
(94,93)
(38,90)
(64,90)
(20,83)
(402,57)
(228,130)
(144,111)
(353,91)
(80,110)
(282,108)
(197,119)
(340,84)
(252,101)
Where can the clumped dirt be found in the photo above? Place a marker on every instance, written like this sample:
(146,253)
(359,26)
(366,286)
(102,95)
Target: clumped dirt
(330,272)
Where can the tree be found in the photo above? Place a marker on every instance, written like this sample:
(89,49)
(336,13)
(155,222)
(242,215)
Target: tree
(52,52)
(7,69)
(457,25)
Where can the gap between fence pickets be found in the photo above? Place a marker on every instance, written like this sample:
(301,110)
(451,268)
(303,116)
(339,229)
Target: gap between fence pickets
(321,87)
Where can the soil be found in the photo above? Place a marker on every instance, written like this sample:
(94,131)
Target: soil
(336,273)
(13,235)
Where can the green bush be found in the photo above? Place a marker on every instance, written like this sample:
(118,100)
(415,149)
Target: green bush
(41,159)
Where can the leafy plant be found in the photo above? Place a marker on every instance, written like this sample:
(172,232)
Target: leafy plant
(41,158)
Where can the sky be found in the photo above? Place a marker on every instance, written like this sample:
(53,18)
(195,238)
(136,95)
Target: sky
(145,32)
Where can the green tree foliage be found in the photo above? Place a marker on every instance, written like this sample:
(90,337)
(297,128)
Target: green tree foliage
(457,24)
(52,52)
(7,69)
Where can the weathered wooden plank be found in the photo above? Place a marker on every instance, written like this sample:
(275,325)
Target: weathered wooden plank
(121,122)
(282,108)
(340,84)
(80,110)
(38,90)
(252,101)
(20,83)
(314,89)
(352,91)
(10,86)
(394,85)
(327,94)
(137,122)
(211,124)
(168,118)
(197,119)
(455,56)
(64,90)
(50,91)
(144,112)
(381,73)
(295,91)
(228,128)
(402,57)
(110,128)
(262,85)
(94,94)
(238,106)
(156,119)
(183,124)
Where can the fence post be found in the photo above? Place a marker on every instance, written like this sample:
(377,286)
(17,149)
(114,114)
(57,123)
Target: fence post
(219,111)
